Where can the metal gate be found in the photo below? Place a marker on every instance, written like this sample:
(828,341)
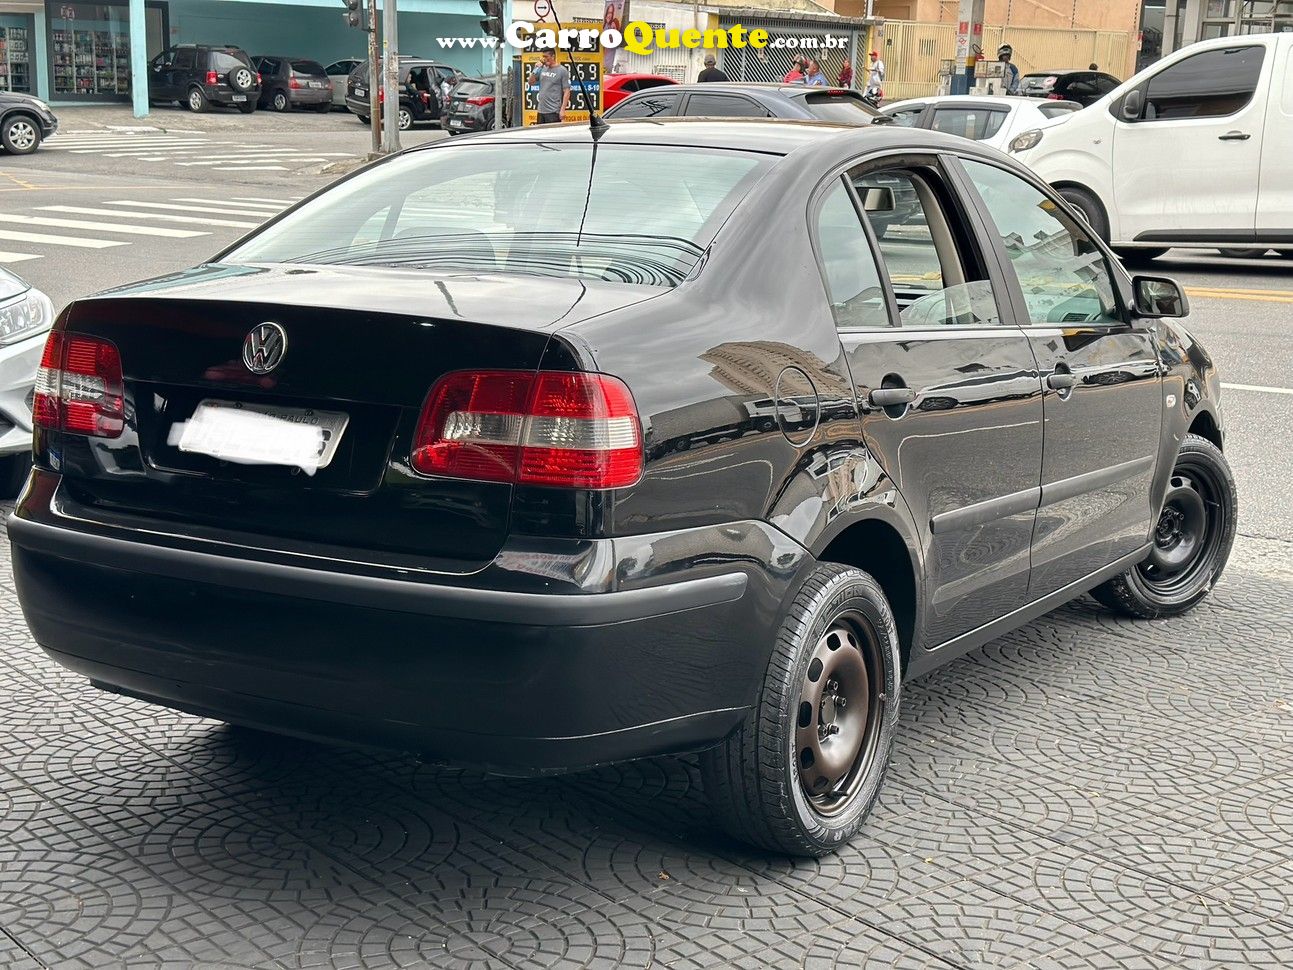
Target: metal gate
(792,37)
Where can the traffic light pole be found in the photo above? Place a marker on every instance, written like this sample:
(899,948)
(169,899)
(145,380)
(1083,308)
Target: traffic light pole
(390,78)
(374,69)
(492,25)
(498,87)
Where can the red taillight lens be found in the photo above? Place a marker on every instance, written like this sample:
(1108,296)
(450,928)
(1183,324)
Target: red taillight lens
(381,95)
(563,430)
(292,82)
(79,387)
(213,77)
(481,102)
(258,82)
(1054,97)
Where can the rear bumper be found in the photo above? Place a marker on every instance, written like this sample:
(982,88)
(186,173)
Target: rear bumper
(485,670)
(310,96)
(225,95)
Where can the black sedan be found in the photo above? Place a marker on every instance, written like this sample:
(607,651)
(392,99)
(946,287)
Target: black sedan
(1083,86)
(552,448)
(24,122)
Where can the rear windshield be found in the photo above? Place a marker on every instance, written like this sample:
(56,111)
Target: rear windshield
(647,216)
(1035,82)
(840,108)
(469,87)
(223,61)
(308,67)
(1054,110)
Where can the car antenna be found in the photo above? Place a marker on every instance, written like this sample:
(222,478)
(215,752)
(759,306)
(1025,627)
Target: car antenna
(595,123)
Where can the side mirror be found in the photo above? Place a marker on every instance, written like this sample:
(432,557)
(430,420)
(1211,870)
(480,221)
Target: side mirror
(877,199)
(1132,105)
(1158,296)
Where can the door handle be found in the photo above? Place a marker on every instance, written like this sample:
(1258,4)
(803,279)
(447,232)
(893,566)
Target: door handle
(891,397)
(1234,136)
(1061,380)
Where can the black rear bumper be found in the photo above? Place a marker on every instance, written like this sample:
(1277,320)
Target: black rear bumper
(482,669)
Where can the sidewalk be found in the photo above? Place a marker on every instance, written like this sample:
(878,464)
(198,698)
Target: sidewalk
(118,117)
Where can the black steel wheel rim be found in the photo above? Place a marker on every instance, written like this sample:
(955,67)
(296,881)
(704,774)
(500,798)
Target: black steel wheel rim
(1190,529)
(838,714)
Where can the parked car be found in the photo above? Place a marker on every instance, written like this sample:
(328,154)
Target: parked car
(992,120)
(199,75)
(424,75)
(26,314)
(1071,84)
(24,122)
(293,82)
(338,73)
(471,106)
(400,467)
(1194,151)
(617,87)
(745,100)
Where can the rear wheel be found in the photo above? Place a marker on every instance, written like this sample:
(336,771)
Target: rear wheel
(363,119)
(279,101)
(1243,253)
(1139,257)
(1192,539)
(800,774)
(247,108)
(20,135)
(323,109)
(405,119)
(14,470)
(197,101)
(1089,208)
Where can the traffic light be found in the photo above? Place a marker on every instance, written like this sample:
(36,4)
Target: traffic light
(355,14)
(492,25)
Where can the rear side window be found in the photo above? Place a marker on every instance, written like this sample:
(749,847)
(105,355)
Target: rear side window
(651,106)
(907,117)
(848,264)
(1211,84)
(723,106)
(840,108)
(185,59)
(975,123)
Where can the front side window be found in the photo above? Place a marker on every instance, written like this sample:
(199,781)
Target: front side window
(1211,84)
(654,106)
(907,117)
(185,59)
(845,109)
(973,123)
(848,264)
(723,106)
(529,208)
(1064,276)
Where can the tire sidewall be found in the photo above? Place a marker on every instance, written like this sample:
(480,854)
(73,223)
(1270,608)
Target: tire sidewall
(198,103)
(851,591)
(404,119)
(1088,208)
(280,101)
(5,134)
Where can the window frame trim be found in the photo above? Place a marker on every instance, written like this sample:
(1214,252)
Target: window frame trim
(1143,88)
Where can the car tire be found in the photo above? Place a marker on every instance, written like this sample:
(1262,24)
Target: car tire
(14,470)
(1139,257)
(837,643)
(20,134)
(363,119)
(197,101)
(322,109)
(1243,253)
(247,107)
(1089,208)
(280,101)
(404,119)
(242,79)
(1192,539)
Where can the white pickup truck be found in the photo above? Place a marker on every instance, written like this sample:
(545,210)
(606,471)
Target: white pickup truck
(1194,151)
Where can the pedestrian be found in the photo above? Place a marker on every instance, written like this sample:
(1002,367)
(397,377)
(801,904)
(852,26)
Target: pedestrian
(1010,74)
(846,75)
(711,73)
(875,84)
(554,89)
(813,75)
(796,73)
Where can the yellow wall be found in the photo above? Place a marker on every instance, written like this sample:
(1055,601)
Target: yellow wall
(1088,14)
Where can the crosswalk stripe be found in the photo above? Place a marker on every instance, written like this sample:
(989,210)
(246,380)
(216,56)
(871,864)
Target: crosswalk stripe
(161,216)
(251,161)
(77,241)
(263,168)
(18,257)
(255,198)
(226,210)
(111,227)
(134,143)
(243,203)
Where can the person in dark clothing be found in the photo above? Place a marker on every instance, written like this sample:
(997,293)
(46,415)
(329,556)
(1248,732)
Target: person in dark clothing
(711,73)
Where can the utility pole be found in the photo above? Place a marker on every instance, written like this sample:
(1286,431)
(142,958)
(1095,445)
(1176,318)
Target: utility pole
(390,78)
(492,25)
(969,34)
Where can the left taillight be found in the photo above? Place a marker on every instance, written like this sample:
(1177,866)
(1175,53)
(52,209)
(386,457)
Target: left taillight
(551,428)
(79,387)
(213,77)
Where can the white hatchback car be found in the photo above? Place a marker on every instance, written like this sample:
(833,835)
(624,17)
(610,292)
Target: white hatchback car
(26,315)
(994,121)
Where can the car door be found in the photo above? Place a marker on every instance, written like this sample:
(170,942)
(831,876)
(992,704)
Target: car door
(706,105)
(1199,125)
(656,104)
(161,85)
(945,383)
(182,70)
(1275,197)
(1103,398)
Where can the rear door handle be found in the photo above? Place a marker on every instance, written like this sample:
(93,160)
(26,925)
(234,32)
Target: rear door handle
(1234,136)
(1061,380)
(891,397)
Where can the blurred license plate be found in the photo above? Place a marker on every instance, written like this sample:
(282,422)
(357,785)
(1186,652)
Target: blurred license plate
(455,122)
(316,84)
(256,434)
(240,97)
(360,92)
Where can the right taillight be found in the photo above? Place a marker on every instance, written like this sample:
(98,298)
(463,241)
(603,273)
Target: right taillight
(552,428)
(79,387)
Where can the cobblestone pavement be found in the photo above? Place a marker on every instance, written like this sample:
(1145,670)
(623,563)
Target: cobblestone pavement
(1086,792)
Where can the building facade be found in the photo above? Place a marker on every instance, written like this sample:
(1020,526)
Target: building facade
(1171,24)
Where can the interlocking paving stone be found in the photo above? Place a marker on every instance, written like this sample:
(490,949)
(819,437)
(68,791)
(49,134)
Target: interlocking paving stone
(1086,792)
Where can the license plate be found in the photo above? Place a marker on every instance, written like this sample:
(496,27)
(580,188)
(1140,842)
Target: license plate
(360,92)
(455,123)
(240,97)
(258,434)
(316,84)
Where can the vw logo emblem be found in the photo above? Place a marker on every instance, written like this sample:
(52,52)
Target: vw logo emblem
(264,347)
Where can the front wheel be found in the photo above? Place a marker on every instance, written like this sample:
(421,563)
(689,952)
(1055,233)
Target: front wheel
(1192,539)
(1139,257)
(799,776)
(1089,208)
(1243,253)
(20,135)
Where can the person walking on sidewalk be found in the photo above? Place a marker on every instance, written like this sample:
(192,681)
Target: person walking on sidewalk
(554,89)
(711,73)
(875,83)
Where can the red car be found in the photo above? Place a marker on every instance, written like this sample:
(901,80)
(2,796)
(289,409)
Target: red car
(617,87)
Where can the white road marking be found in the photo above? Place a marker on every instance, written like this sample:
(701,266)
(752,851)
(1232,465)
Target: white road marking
(254,160)
(253,198)
(87,224)
(243,203)
(18,257)
(1259,388)
(164,217)
(228,210)
(77,241)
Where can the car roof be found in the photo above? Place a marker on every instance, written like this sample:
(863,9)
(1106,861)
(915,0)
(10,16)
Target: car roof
(775,136)
(771,89)
(974,101)
(640,75)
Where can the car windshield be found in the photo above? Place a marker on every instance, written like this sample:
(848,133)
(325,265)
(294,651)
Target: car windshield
(842,108)
(308,67)
(522,207)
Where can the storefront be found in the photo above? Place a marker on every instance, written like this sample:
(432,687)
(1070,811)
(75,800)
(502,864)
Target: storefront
(1187,21)
(89,48)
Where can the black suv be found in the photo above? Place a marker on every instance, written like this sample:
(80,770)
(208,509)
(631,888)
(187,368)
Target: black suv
(1084,87)
(420,97)
(199,76)
(24,122)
